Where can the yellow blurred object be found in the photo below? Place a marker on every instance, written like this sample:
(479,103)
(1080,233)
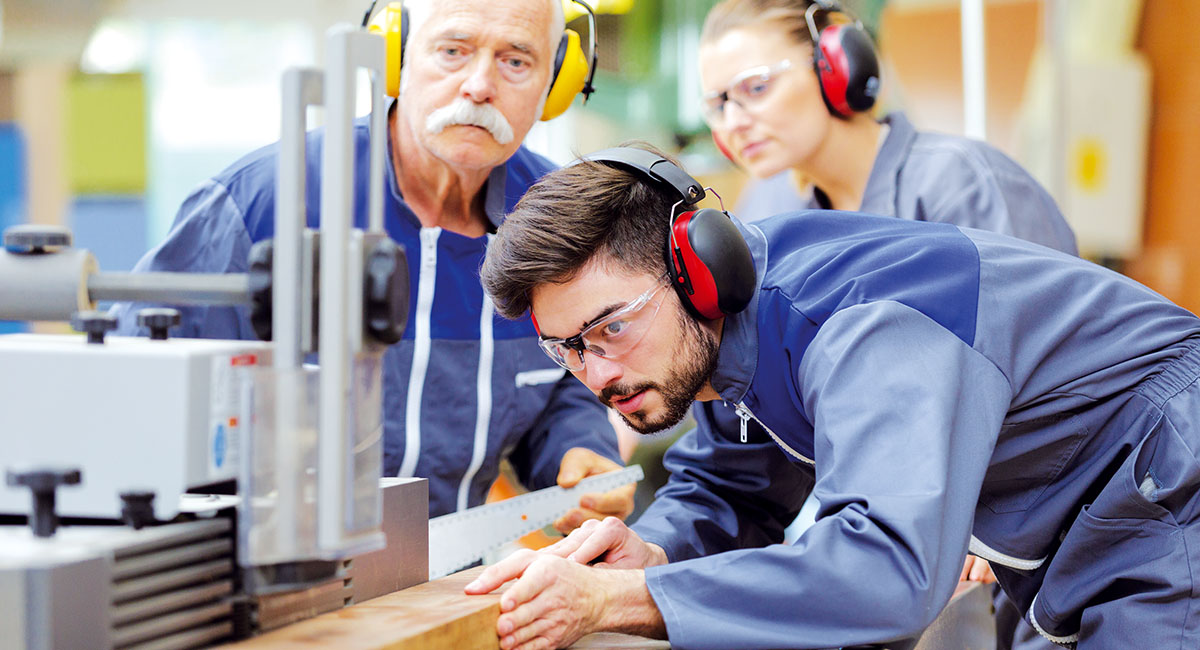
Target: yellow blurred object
(504,489)
(106,134)
(571,10)
(1090,162)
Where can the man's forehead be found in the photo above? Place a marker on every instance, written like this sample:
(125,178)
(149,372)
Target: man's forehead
(564,308)
(523,22)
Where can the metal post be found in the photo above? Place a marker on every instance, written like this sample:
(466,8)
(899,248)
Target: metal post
(974,64)
(347,50)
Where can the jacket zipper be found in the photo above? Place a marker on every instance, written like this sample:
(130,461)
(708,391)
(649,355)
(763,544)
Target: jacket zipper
(745,415)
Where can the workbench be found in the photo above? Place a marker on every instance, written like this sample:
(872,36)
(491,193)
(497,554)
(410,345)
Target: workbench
(437,615)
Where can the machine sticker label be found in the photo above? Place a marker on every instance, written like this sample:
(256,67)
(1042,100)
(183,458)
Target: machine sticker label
(229,374)
(218,450)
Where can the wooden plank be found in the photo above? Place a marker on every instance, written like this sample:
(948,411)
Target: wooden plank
(431,616)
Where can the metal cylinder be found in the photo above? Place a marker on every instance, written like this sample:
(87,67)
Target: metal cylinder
(49,286)
(172,288)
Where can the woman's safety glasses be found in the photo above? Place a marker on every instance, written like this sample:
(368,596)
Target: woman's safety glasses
(747,90)
(610,336)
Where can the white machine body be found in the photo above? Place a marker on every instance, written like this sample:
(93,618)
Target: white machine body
(131,413)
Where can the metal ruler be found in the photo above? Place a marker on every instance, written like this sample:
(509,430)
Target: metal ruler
(462,538)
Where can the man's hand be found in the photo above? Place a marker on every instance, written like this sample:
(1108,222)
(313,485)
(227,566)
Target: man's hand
(977,569)
(608,544)
(579,463)
(556,601)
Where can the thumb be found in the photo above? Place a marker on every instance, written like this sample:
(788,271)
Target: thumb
(574,467)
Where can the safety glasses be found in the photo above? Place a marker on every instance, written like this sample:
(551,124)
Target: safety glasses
(611,335)
(747,90)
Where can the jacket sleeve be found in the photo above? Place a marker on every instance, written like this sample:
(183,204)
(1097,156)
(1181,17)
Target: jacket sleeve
(979,187)
(723,494)
(209,236)
(905,416)
(572,418)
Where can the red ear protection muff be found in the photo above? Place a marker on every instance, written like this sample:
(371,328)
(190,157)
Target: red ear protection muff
(845,62)
(707,258)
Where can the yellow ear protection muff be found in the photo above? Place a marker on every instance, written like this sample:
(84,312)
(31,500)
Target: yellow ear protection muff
(392,24)
(707,258)
(845,62)
(570,75)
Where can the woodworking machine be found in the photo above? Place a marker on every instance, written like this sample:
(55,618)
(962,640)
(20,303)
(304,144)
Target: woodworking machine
(172,493)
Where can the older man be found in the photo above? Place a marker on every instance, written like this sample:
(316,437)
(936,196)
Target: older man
(465,388)
(947,390)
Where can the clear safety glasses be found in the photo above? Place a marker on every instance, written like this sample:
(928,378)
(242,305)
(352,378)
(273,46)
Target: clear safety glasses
(747,90)
(610,336)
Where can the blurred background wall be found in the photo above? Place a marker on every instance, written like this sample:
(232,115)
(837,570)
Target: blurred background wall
(111,110)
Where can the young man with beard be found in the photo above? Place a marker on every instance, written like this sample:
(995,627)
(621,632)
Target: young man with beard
(464,389)
(946,389)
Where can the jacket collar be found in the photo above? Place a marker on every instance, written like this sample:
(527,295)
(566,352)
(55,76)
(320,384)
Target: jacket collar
(880,196)
(737,359)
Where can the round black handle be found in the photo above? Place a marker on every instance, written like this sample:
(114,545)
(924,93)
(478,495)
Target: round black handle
(43,483)
(35,239)
(159,320)
(385,291)
(94,323)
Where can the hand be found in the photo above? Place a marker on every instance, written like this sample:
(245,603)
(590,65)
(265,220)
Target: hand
(976,569)
(611,542)
(555,602)
(577,464)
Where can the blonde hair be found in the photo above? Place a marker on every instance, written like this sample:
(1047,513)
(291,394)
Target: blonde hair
(788,14)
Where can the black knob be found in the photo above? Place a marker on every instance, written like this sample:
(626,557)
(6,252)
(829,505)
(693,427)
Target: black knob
(43,483)
(94,323)
(261,262)
(137,508)
(385,292)
(35,239)
(160,320)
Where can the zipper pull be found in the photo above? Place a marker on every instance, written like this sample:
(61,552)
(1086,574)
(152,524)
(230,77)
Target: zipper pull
(744,414)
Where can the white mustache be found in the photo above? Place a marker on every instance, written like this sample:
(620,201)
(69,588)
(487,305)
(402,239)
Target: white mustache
(466,112)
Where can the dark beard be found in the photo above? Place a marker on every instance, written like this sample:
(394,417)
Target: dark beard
(685,379)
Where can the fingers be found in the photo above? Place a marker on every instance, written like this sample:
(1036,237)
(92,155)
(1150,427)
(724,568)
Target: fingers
(580,462)
(532,635)
(536,578)
(617,502)
(614,503)
(607,535)
(564,546)
(966,570)
(574,518)
(501,572)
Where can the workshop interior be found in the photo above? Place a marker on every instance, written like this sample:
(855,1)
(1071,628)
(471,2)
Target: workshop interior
(164,491)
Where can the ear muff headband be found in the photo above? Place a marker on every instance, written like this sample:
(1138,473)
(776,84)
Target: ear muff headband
(570,75)
(845,62)
(707,258)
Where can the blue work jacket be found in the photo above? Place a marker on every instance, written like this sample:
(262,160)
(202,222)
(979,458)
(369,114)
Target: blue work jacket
(938,177)
(940,389)
(465,388)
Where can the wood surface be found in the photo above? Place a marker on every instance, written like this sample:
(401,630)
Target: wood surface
(432,616)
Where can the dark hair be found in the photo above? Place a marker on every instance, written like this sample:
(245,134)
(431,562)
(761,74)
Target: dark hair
(789,14)
(586,213)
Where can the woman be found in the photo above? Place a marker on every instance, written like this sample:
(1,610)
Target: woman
(764,103)
(796,118)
